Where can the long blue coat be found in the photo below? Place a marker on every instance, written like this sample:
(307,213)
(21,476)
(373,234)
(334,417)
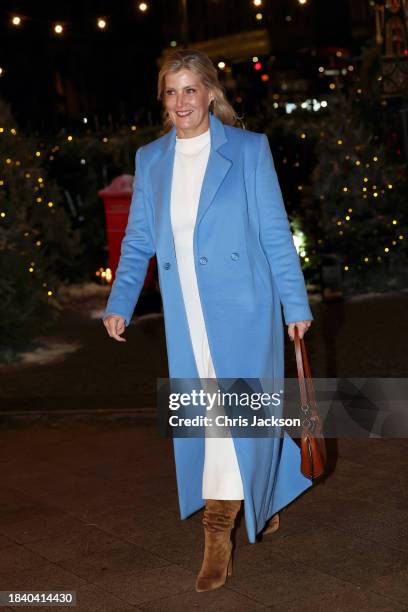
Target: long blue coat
(247,267)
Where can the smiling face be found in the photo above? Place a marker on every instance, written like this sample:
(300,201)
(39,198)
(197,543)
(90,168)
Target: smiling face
(187,100)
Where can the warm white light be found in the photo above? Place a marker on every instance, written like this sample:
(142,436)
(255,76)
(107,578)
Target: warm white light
(323,103)
(255,59)
(16,20)
(143,7)
(1,70)
(173,43)
(101,23)
(221,65)
(257,2)
(58,28)
(259,16)
(302,1)
(299,240)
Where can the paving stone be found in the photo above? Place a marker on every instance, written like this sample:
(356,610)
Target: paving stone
(101,565)
(221,599)
(141,587)
(344,598)
(78,540)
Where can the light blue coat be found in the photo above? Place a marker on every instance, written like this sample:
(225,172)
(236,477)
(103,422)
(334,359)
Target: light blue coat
(247,267)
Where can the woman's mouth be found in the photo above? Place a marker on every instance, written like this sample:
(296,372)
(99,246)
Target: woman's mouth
(183,113)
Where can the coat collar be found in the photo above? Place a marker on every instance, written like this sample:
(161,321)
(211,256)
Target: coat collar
(217,132)
(162,173)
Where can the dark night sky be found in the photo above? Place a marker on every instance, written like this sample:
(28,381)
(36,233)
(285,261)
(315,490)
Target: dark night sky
(115,71)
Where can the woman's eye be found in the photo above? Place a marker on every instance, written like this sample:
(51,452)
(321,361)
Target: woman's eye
(191,90)
(169,92)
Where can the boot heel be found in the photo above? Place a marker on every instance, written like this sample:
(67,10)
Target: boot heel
(229,568)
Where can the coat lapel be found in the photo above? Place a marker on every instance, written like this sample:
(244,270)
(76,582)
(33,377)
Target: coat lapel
(162,174)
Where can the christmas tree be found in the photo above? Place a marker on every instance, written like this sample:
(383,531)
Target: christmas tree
(37,245)
(360,196)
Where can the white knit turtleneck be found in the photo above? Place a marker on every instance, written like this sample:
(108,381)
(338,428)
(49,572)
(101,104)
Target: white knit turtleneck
(221,475)
(190,162)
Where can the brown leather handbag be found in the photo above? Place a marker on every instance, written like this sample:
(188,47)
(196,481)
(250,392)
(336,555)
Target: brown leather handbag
(312,444)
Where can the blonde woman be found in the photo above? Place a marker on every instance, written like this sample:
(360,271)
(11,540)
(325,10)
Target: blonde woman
(207,202)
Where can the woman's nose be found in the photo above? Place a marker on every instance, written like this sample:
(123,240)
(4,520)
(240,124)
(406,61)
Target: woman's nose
(180,100)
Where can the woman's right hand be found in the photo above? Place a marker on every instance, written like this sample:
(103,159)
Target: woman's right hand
(115,326)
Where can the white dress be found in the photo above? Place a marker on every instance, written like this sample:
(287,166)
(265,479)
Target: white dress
(221,475)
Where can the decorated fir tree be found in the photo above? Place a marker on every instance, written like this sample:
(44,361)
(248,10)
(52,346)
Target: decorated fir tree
(37,245)
(360,197)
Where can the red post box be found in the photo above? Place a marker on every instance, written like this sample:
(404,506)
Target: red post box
(117,198)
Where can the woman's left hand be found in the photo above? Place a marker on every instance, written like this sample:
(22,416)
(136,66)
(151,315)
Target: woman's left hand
(302,326)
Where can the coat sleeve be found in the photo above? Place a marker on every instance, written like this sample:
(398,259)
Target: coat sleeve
(136,249)
(277,239)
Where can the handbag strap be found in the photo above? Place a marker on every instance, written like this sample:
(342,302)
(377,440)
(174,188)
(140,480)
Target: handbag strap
(307,395)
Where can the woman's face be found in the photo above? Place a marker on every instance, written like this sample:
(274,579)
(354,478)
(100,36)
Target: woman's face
(187,100)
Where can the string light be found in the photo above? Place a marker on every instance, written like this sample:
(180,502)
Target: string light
(101,23)
(143,7)
(259,16)
(58,28)
(16,20)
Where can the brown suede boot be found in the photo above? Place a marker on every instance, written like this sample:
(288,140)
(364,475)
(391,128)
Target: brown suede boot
(218,521)
(272,525)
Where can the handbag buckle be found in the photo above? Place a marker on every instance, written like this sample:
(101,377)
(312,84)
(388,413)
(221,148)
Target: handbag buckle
(309,423)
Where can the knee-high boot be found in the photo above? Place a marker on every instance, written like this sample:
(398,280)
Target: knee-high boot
(218,521)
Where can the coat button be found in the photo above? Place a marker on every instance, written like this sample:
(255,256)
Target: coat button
(234,256)
(167,266)
(203,261)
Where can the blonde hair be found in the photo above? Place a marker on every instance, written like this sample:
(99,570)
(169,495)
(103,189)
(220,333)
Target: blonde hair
(199,63)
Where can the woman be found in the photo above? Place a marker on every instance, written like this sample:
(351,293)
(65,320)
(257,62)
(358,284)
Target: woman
(207,202)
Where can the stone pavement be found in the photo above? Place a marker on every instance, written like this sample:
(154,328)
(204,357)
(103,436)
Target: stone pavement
(92,507)
(90,504)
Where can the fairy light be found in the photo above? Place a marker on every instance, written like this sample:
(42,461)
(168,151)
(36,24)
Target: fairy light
(70,138)
(259,16)
(101,23)
(16,20)
(143,7)
(58,28)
